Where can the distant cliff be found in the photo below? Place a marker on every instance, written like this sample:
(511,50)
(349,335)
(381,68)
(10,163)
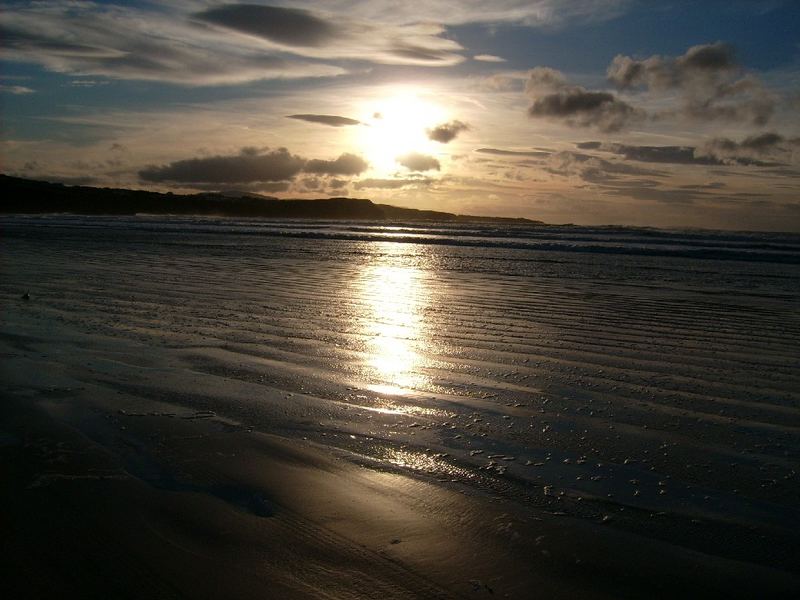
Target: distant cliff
(26,196)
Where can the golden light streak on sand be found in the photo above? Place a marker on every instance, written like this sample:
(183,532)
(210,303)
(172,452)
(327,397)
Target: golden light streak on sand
(396,296)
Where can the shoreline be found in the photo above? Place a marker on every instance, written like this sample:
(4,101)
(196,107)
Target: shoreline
(185,495)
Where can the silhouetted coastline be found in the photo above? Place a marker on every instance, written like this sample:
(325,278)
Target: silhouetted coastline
(27,196)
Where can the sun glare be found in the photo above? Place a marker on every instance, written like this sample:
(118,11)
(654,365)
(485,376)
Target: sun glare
(395,126)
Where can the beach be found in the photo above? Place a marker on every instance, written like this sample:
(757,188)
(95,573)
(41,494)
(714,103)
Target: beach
(205,408)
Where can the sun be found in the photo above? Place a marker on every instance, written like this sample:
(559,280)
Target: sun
(397,124)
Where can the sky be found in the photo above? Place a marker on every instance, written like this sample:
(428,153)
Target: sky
(665,114)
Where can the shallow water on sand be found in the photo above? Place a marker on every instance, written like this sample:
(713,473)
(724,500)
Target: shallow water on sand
(641,378)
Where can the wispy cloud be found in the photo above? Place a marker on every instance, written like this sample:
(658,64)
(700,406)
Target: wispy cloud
(325,35)
(502,152)
(17,90)
(128,43)
(240,42)
(533,13)
(392,184)
(490,58)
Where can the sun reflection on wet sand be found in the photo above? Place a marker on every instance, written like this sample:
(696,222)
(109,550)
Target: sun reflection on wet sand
(396,295)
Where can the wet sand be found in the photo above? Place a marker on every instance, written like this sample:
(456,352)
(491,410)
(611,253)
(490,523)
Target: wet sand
(173,428)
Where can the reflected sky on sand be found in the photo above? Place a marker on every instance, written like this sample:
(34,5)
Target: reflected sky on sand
(395,294)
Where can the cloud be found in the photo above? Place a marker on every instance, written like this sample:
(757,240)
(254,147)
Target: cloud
(501,82)
(251,165)
(240,42)
(220,46)
(767,144)
(254,188)
(325,36)
(446,132)
(414,161)
(720,151)
(593,169)
(575,105)
(65,179)
(392,184)
(332,120)
(534,13)
(713,185)
(17,90)
(289,26)
(708,79)
(490,58)
(544,78)
(346,164)
(696,67)
(678,155)
(277,165)
(122,42)
(86,83)
(584,108)
(500,152)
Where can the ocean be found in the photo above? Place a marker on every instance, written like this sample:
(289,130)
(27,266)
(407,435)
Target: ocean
(646,380)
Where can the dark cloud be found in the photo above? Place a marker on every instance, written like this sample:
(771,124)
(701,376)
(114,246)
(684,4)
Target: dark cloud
(311,183)
(761,144)
(332,120)
(554,98)
(392,184)
(697,66)
(677,155)
(290,26)
(500,152)
(708,79)
(447,132)
(579,107)
(764,145)
(253,189)
(251,165)
(277,165)
(68,179)
(346,164)
(415,161)
(593,169)
(275,186)
(764,142)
